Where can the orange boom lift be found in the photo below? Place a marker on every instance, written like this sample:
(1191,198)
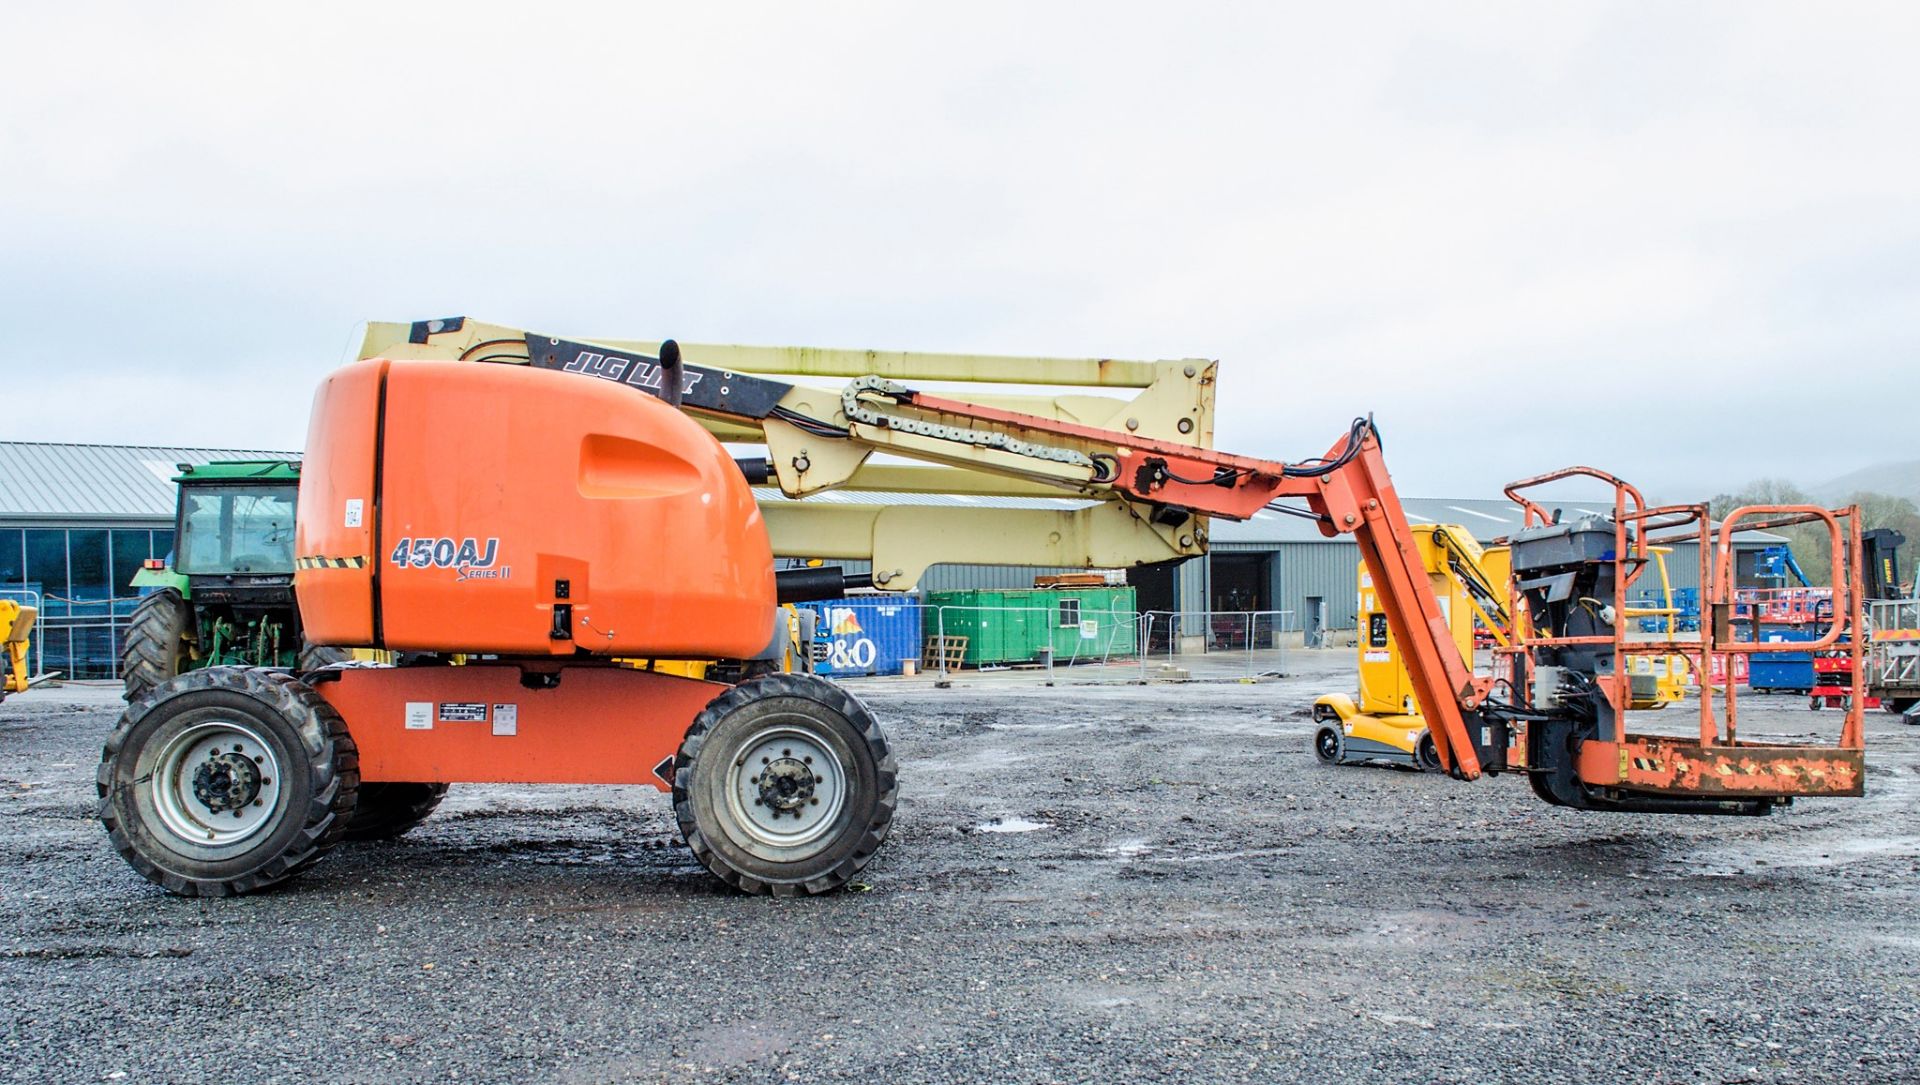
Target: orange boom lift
(520,517)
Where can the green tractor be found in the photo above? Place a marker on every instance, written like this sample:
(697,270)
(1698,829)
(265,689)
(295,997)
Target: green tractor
(228,598)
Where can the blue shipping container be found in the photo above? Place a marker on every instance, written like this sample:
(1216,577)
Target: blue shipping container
(870,634)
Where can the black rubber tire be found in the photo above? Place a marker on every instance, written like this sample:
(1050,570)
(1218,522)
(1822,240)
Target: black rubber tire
(1898,705)
(1329,745)
(315,657)
(1426,756)
(827,712)
(390,811)
(156,645)
(321,770)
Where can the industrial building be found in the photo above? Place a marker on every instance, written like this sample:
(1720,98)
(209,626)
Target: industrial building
(76,520)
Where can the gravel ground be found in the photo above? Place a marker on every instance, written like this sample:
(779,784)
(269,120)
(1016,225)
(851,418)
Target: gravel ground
(1115,883)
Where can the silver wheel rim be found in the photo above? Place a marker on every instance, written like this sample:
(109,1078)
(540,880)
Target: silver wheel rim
(786,788)
(203,789)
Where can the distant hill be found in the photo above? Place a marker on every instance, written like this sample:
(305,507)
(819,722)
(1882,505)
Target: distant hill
(1896,479)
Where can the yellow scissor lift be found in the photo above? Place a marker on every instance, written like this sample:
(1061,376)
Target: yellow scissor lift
(1381,721)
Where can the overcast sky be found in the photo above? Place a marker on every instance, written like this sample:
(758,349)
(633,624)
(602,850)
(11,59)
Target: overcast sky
(1681,241)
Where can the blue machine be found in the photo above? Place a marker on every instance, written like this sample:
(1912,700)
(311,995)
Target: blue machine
(1686,602)
(1782,672)
(1772,566)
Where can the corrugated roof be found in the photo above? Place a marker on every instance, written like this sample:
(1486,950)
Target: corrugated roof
(44,481)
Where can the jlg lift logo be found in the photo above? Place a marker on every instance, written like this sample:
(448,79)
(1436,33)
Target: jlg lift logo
(465,556)
(639,373)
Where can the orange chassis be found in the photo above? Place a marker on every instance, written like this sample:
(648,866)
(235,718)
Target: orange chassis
(550,723)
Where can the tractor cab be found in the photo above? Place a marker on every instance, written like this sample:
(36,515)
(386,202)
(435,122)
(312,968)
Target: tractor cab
(225,595)
(233,534)
(234,526)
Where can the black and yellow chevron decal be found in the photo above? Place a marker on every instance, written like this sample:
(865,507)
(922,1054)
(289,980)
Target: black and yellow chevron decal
(331,563)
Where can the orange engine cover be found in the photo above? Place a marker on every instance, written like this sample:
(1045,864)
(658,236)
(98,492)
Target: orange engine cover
(455,506)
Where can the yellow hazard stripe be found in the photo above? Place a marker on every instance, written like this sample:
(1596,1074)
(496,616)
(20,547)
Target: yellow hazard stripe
(331,563)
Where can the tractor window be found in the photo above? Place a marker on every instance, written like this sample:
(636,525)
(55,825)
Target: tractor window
(236,529)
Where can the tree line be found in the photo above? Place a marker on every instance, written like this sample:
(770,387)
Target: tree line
(1809,542)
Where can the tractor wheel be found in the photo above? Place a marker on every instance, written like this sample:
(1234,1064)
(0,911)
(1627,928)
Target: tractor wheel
(1329,745)
(155,648)
(226,780)
(1426,757)
(315,657)
(390,811)
(784,785)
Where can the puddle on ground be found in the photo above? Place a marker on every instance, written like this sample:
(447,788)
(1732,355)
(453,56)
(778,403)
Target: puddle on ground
(1009,825)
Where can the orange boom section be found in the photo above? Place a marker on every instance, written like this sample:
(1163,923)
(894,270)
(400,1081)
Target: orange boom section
(523,512)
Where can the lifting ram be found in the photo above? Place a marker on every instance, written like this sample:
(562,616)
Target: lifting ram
(523,516)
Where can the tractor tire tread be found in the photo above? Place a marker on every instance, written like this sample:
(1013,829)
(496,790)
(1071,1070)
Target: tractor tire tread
(388,811)
(147,659)
(316,657)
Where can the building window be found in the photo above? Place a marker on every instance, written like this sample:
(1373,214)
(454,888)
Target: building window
(90,570)
(130,549)
(1069,613)
(47,569)
(82,580)
(13,560)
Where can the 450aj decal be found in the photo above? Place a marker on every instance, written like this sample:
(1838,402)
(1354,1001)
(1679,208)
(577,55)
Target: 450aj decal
(473,559)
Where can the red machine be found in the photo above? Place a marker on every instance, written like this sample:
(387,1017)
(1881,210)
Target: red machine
(529,530)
